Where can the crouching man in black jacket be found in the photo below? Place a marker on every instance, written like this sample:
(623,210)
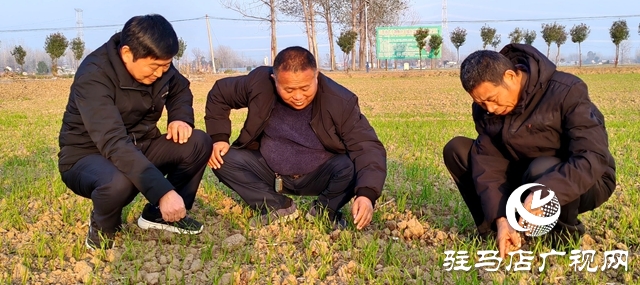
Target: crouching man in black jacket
(110,146)
(535,124)
(304,135)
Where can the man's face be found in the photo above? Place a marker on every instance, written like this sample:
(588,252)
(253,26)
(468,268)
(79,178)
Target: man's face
(297,89)
(498,99)
(144,70)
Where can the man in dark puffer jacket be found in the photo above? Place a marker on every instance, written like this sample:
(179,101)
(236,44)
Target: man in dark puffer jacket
(304,135)
(535,125)
(110,146)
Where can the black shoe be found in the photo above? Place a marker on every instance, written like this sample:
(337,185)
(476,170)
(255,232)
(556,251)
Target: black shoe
(276,217)
(151,218)
(120,225)
(336,217)
(98,239)
(564,234)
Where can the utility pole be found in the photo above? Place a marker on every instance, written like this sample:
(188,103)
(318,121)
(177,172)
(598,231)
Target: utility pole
(366,31)
(79,24)
(213,60)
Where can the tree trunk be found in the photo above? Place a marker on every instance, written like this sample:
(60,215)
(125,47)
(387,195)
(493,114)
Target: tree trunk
(386,65)
(458,52)
(363,38)
(327,16)
(353,27)
(558,55)
(314,38)
(54,66)
(548,49)
(307,25)
(617,53)
(274,45)
(579,55)
(420,56)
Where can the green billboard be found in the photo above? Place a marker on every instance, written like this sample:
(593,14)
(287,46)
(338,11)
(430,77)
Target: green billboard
(399,42)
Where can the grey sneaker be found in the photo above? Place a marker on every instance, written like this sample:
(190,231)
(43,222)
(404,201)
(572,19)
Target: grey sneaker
(318,210)
(276,217)
(151,218)
(97,239)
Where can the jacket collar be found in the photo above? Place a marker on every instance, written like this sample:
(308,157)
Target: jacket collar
(538,68)
(125,79)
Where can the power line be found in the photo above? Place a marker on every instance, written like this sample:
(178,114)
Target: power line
(301,21)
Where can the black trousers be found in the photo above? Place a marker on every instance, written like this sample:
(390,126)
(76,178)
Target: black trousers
(96,178)
(247,173)
(456,158)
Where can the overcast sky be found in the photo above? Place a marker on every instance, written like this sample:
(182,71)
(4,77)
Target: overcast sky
(252,38)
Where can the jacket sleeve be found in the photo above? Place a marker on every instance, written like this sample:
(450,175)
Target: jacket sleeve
(588,147)
(180,100)
(226,94)
(104,124)
(366,151)
(489,172)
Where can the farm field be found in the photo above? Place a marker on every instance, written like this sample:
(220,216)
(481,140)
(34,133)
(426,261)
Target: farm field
(420,215)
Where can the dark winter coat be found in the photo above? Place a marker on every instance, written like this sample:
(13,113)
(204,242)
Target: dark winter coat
(336,120)
(111,114)
(554,117)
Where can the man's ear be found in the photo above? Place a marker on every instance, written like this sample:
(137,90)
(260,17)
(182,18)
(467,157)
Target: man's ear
(509,75)
(126,54)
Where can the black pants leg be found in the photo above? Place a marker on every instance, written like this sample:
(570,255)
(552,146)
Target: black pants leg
(333,182)
(96,178)
(247,173)
(184,164)
(569,212)
(456,159)
(110,190)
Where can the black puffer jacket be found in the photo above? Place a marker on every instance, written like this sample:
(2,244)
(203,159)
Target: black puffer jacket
(111,114)
(336,120)
(554,117)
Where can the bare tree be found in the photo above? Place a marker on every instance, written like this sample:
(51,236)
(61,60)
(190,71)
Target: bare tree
(383,13)
(305,11)
(254,9)
(579,34)
(326,10)
(198,54)
(625,51)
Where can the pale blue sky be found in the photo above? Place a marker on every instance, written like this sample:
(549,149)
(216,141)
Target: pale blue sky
(252,38)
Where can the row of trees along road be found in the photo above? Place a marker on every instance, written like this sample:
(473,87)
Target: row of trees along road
(551,33)
(349,16)
(55,46)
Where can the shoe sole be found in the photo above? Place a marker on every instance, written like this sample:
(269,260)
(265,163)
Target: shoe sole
(280,220)
(287,218)
(146,224)
(92,248)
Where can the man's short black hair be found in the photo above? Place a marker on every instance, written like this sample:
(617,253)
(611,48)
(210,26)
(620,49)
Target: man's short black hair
(294,59)
(150,36)
(484,66)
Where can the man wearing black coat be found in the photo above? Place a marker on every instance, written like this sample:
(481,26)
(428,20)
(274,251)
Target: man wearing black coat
(535,124)
(304,135)
(110,146)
